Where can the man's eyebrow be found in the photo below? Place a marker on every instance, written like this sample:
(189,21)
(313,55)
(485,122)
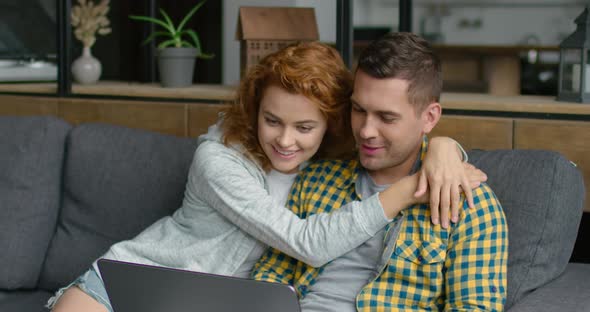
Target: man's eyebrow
(388,113)
(381,112)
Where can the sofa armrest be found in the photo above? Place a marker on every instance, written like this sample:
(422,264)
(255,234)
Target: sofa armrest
(31,160)
(570,292)
(542,195)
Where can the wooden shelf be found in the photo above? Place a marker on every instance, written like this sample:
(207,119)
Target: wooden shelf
(514,104)
(134,89)
(208,92)
(42,88)
(489,49)
(224,93)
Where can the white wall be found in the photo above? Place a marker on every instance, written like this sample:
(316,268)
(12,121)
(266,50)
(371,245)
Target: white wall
(502,22)
(325,11)
(512,26)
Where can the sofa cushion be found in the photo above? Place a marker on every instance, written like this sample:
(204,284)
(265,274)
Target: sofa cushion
(569,292)
(31,157)
(117,181)
(542,194)
(24,301)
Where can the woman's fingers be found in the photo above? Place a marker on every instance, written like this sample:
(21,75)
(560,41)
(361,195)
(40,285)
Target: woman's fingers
(455,201)
(422,184)
(434,201)
(445,199)
(468,192)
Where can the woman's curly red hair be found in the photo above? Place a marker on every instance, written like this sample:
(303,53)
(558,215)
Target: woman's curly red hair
(312,69)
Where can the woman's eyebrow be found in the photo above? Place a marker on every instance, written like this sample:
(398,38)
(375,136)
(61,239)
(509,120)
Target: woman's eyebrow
(299,122)
(307,121)
(269,114)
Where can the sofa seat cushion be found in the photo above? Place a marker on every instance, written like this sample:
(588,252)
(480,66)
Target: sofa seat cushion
(569,292)
(31,158)
(117,181)
(24,301)
(542,194)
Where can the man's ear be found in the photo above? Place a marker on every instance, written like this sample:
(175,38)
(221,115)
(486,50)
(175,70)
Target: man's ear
(430,116)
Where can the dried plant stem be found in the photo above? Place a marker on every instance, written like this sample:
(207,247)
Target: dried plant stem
(89,19)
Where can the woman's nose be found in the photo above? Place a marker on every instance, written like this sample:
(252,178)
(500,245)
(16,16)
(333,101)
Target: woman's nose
(285,139)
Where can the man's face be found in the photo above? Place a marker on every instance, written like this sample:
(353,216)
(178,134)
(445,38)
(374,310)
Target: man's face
(290,128)
(387,130)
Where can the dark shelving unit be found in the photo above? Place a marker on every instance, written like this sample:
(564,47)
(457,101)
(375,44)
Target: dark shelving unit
(145,69)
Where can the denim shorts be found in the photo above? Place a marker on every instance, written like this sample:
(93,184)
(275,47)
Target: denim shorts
(91,284)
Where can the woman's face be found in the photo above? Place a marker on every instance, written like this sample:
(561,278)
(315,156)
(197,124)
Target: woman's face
(290,128)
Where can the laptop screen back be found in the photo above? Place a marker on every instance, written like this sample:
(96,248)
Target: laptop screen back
(134,287)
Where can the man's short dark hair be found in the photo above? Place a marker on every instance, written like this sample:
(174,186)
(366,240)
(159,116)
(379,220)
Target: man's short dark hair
(409,57)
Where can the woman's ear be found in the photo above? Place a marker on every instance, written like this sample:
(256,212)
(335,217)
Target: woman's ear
(430,116)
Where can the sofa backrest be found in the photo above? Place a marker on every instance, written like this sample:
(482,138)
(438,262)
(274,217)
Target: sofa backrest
(31,157)
(117,181)
(542,194)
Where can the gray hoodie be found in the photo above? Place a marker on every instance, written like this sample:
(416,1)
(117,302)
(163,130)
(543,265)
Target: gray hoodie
(227,213)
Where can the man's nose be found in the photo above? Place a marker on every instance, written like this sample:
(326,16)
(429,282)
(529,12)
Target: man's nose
(368,129)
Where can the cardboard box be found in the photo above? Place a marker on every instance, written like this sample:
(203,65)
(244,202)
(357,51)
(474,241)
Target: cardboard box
(263,30)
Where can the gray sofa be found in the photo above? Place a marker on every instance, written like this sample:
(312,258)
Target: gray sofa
(68,193)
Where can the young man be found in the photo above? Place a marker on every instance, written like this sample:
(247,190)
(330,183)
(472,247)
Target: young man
(412,265)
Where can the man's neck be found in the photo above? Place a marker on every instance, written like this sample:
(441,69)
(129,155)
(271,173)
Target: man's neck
(393,174)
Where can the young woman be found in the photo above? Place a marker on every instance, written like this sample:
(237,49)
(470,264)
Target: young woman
(291,107)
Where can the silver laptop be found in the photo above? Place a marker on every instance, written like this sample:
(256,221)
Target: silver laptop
(134,287)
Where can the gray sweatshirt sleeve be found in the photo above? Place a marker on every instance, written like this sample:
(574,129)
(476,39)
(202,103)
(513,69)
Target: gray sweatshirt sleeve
(223,181)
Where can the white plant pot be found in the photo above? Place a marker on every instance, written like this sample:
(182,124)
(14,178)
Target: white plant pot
(86,69)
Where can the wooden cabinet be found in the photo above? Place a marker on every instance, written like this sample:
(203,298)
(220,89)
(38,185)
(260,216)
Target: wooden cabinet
(166,118)
(174,118)
(477,132)
(571,138)
(27,105)
(477,121)
(201,116)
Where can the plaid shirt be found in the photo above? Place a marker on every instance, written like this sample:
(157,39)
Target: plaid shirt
(424,267)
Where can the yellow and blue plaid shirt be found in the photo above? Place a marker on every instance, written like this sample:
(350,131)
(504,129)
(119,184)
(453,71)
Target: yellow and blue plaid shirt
(426,267)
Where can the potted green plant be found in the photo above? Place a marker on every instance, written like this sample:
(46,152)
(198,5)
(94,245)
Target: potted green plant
(178,49)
